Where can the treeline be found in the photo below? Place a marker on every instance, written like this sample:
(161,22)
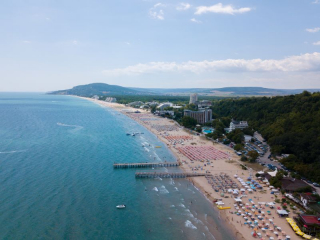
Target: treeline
(124,99)
(290,124)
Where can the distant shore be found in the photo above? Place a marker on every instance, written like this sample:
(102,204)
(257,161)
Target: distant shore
(229,165)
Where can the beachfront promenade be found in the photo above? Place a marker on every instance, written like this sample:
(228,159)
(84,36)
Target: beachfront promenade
(168,174)
(145,165)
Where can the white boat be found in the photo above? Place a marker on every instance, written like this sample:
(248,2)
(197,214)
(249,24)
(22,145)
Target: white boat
(121,206)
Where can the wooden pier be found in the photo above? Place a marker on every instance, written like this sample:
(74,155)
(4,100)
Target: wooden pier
(145,165)
(168,174)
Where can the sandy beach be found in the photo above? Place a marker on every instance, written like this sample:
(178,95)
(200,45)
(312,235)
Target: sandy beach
(221,162)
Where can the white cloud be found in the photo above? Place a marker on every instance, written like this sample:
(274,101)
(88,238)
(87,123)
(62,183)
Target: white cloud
(317,43)
(313,30)
(316,2)
(183,6)
(220,8)
(299,63)
(128,43)
(75,42)
(195,20)
(26,41)
(156,13)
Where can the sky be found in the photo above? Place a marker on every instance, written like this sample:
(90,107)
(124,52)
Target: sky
(48,45)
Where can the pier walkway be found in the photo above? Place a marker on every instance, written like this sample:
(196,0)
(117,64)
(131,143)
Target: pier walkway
(168,174)
(145,165)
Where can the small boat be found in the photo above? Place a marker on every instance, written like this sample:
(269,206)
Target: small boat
(121,206)
(157,146)
(128,134)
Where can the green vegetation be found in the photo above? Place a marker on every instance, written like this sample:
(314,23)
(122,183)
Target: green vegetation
(238,147)
(253,155)
(236,136)
(99,89)
(290,124)
(188,122)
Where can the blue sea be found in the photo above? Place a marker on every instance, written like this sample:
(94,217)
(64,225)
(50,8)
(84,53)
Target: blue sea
(57,179)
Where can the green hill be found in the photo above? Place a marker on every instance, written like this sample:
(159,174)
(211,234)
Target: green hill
(289,123)
(100,89)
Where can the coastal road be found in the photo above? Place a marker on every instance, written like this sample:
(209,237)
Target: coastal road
(264,159)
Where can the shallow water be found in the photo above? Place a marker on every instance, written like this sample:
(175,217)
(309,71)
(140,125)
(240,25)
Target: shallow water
(57,179)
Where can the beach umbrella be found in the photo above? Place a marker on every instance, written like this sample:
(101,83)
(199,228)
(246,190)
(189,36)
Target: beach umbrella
(270,220)
(275,233)
(288,237)
(259,234)
(271,238)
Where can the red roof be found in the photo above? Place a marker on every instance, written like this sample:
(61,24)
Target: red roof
(310,219)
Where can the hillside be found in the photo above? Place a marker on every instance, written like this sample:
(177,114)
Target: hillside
(289,123)
(100,89)
(103,89)
(226,91)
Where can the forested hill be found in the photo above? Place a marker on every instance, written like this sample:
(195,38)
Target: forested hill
(291,124)
(100,89)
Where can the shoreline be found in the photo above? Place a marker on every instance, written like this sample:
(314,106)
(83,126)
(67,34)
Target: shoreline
(229,165)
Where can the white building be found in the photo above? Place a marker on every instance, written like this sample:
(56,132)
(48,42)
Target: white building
(193,98)
(111,99)
(162,106)
(238,125)
(204,104)
(96,97)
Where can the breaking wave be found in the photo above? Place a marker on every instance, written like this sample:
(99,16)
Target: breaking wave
(189,224)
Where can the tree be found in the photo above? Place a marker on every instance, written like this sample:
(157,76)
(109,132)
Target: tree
(238,147)
(236,136)
(244,158)
(153,108)
(188,122)
(198,129)
(253,155)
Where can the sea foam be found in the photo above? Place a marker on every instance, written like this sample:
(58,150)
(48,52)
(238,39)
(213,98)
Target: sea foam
(189,224)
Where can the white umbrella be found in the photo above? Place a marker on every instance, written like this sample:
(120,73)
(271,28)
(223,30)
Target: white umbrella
(279,228)
(276,233)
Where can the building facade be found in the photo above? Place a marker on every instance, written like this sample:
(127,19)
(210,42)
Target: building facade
(111,99)
(193,98)
(204,104)
(238,125)
(202,116)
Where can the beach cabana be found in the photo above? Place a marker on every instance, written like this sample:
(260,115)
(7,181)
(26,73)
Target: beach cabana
(283,213)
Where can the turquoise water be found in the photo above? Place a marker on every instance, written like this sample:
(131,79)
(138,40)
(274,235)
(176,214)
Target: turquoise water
(57,179)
